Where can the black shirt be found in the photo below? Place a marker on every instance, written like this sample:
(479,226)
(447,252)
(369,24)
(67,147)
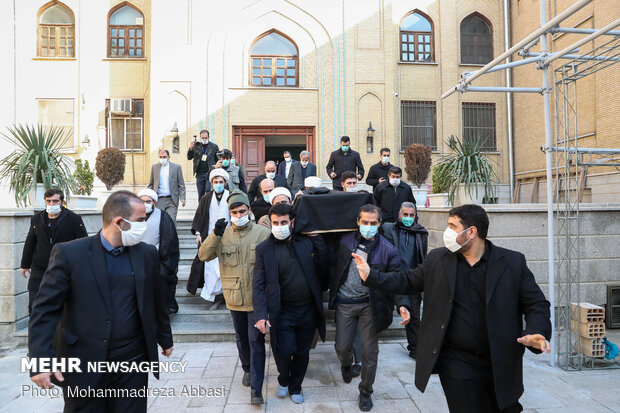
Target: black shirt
(294,289)
(203,166)
(50,225)
(467,330)
(260,207)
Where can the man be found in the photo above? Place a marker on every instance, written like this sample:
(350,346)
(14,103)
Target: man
(277,196)
(391,194)
(355,302)
(344,159)
(287,297)
(411,241)
(167,180)
(270,172)
(476,295)
(162,233)
(212,207)
(47,228)
(379,172)
(235,248)
(260,206)
(204,154)
(236,177)
(108,295)
(300,171)
(285,167)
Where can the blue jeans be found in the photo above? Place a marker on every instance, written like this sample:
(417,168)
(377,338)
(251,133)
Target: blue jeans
(251,347)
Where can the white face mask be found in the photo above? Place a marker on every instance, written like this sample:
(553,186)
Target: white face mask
(281,232)
(148,207)
(385,160)
(349,189)
(449,239)
(394,181)
(52,209)
(271,175)
(240,222)
(288,159)
(133,235)
(205,141)
(304,163)
(163,162)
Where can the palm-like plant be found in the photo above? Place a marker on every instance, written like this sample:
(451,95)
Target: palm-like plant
(36,161)
(468,165)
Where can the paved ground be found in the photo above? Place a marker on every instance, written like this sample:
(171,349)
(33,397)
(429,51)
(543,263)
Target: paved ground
(216,366)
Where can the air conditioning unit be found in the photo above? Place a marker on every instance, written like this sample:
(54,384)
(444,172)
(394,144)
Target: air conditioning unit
(123,106)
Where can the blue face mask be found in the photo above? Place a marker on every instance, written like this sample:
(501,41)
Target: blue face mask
(225,163)
(233,162)
(368,231)
(344,148)
(218,188)
(407,221)
(266,197)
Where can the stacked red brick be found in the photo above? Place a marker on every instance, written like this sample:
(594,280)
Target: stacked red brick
(588,323)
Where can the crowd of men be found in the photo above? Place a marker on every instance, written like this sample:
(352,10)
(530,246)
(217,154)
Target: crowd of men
(109,296)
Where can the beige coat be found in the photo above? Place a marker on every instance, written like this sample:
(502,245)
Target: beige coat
(236,251)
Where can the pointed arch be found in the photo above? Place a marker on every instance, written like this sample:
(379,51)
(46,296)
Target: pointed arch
(417,33)
(274,60)
(55,30)
(476,37)
(125,31)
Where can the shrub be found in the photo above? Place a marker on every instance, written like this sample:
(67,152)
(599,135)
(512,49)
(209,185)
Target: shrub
(417,163)
(84,178)
(110,167)
(441,179)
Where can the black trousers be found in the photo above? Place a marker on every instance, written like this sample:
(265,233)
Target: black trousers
(467,382)
(413,327)
(295,332)
(251,347)
(121,404)
(202,183)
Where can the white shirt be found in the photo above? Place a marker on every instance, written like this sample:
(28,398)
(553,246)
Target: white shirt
(164,181)
(287,169)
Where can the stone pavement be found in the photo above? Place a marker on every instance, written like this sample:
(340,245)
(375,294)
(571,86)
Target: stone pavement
(216,366)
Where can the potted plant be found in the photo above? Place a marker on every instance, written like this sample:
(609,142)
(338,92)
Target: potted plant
(418,165)
(84,178)
(441,184)
(110,169)
(36,164)
(470,171)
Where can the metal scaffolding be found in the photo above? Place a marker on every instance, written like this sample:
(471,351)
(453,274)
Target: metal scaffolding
(571,162)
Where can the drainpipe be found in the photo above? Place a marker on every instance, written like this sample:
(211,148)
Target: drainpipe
(511,160)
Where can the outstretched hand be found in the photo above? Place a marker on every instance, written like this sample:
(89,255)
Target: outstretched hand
(362,266)
(537,341)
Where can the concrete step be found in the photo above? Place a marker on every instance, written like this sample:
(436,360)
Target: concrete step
(198,313)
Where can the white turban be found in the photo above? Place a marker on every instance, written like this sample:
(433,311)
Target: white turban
(312,182)
(218,172)
(148,192)
(277,192)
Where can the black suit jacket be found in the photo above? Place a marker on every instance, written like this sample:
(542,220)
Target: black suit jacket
(254,191)
(511,294)
(312,256)
(340,161)
(390,200)
(75,292)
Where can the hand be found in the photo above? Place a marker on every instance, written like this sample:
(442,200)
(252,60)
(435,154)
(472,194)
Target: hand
(537,341)
(362,266)
(198,239)
(333,175)
(218,164)
(23,272)
(167,352)
(191,144)
(43,380)
(359,177)
(382,180)
(220,227)
(404,313)
(260,324)
(182,202)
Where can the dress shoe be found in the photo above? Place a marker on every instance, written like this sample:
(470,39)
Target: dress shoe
(256,398)
(347,374)
(356,370)
(365,402)
(412,354)
(246,379)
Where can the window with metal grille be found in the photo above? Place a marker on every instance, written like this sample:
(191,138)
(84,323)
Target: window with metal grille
(274,61)
(126,132)
(418,124)
(479,123)
(476,40)
(56,31)
(416,38)
(126,33)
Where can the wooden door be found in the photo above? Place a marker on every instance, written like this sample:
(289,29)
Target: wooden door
(253,156)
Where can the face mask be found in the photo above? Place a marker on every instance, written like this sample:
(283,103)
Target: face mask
(407,221)
(163,162)
(232,162)
(271,175)
(225,163)
(53,209)
(148,207)
(351,189)
(344,148)
(240,222)
(205,141)
(218,188)
(304,163)
(281,232)
(449,239)
(394,181)
(266,198)
(386,159)
(133,235)
(368,231)
(288,160)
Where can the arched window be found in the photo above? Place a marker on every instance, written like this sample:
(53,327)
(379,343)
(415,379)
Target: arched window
(56,31)
(274,61)
(476,40)
(125,32)
(416,38)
